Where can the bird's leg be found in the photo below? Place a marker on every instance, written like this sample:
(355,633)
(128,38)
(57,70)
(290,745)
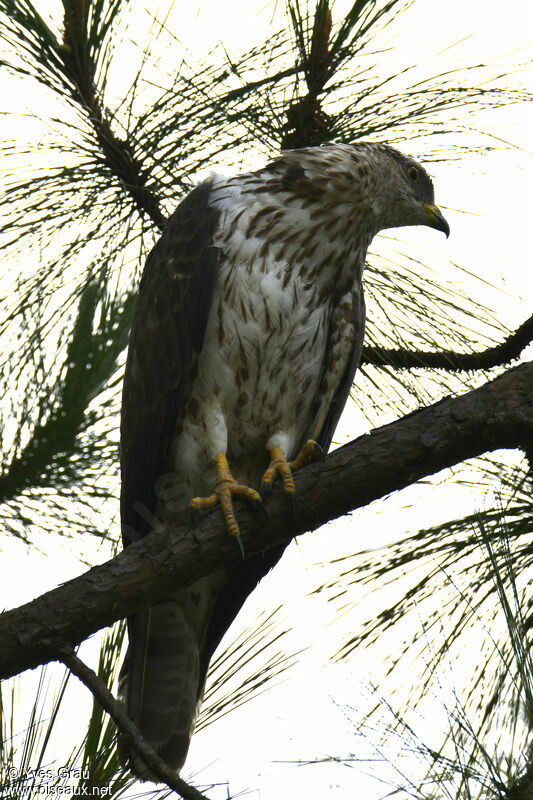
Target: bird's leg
(280,466)
(226,488)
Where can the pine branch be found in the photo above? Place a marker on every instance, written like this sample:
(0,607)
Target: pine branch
(307,124)
(403,358)
(323,53)
(522,787)
(73,67)
(80,67)
(129,730)
(90,358)
(497,415)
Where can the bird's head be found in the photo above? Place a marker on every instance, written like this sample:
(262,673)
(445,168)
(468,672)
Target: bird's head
(386,188)
(402,191)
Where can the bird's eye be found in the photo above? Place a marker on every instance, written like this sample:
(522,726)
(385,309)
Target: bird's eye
(413,174)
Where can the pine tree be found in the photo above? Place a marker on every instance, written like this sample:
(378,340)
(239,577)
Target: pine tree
(104,163)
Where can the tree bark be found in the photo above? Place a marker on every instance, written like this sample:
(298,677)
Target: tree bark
(497,415)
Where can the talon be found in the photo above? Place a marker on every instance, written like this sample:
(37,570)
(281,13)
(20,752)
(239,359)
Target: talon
(239,543)
(226,488)
(199,504)
(245,493)
(261,507)
(319,452)
(309,452)
(291,502)
(268,480)
(266,488)
(280,466)
(195,506)
(288,484)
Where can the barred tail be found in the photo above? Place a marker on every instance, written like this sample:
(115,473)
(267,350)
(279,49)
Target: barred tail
(159,683)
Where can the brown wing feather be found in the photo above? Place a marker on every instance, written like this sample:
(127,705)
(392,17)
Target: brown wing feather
(167,334)
(343,390)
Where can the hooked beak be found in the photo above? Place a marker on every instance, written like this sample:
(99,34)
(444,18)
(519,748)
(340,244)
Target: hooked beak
(435,218)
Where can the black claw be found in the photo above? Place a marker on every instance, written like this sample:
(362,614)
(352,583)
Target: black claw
(240,545)
(291,503)
(266,488)
(260,506)
(319,451)
(193,517)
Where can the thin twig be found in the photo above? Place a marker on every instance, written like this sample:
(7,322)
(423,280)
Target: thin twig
(497,356)
(128,729)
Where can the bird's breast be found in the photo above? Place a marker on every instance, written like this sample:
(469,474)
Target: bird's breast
(269,332)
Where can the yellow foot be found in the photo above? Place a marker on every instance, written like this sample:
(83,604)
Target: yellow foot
(280,466)
(226,488)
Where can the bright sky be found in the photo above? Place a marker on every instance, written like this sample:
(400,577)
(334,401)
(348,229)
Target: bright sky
(487,200)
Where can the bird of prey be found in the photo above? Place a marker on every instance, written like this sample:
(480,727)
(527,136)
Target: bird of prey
(246,336)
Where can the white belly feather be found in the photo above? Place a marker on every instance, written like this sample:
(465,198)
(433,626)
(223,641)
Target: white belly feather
(248,392)
(261,365)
